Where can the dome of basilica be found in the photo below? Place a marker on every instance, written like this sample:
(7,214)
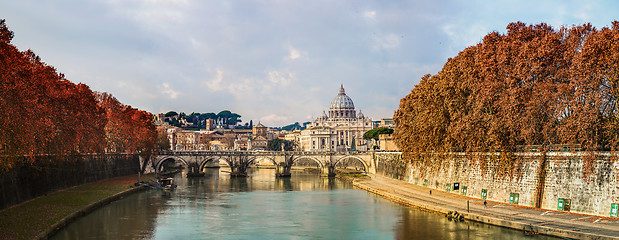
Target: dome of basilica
(341,101)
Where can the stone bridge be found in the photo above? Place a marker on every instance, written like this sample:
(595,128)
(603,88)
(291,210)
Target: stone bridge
(239,161)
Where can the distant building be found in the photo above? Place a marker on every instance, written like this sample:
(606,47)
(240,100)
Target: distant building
(294,136)
(250,139)
(386,143)
(259,142)
(341,129)
(242,142)
(189,140)
(259,130)
(209,124)
(385,122)
(193,140)
(319,138)
(159,119)
(259,139)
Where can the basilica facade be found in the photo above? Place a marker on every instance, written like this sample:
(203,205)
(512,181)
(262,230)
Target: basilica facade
(341,129)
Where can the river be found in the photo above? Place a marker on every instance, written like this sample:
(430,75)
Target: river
(305,206)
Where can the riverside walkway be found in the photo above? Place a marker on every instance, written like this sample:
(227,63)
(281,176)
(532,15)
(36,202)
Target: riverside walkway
(555,223)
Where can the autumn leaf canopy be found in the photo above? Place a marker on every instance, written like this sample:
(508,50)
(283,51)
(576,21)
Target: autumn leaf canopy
(41,112)
(533,86)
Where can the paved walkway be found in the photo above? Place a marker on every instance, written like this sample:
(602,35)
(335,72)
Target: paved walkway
(556,223)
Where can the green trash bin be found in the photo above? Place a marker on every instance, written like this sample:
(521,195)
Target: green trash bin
(513,198)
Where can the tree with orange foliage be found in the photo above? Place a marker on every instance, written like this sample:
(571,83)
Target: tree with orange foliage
(531,86)
(41,112)
(128,130)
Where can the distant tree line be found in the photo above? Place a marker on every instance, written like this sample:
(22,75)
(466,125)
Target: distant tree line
(198,120)
(374,133)
(533,85)
(276,145)
(41,112)
(294,126)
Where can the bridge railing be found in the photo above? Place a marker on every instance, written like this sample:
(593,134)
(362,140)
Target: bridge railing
(259,152)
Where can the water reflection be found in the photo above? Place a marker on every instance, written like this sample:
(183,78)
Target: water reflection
(265,180)
(130,219)
(284,184)
(262,206)
(417,224)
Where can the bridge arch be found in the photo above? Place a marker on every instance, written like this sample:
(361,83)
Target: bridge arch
(160,160)
(297,159)
(270,159)
(202,164)
(341,160)
(252,160)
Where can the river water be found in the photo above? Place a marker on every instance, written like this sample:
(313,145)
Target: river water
(261,206)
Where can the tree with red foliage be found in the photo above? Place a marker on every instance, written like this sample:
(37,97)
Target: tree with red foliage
(41,112)
(531,86)
(128,130)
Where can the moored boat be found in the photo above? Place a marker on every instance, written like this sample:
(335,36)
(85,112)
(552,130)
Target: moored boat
(167,184)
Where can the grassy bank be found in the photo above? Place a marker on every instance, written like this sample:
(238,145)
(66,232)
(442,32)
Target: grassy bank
(350,175)
(27,220)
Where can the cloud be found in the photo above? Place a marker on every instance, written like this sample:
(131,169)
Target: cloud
(462,36)
(167,90)
(216,82)
(387,42)
(275,120)
(294,54)
(244,89)
(370,15)
(253,57)
(153,12)
(240,87)
(281,78)
(583,13)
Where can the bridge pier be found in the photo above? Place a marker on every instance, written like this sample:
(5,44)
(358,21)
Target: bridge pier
(282,169)
(239,163)
(328,171)
(194,170)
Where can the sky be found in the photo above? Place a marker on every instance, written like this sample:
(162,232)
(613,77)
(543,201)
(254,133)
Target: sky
(277,62)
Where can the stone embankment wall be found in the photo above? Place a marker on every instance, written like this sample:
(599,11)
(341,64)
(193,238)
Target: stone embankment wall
(564,181)
(49,173)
